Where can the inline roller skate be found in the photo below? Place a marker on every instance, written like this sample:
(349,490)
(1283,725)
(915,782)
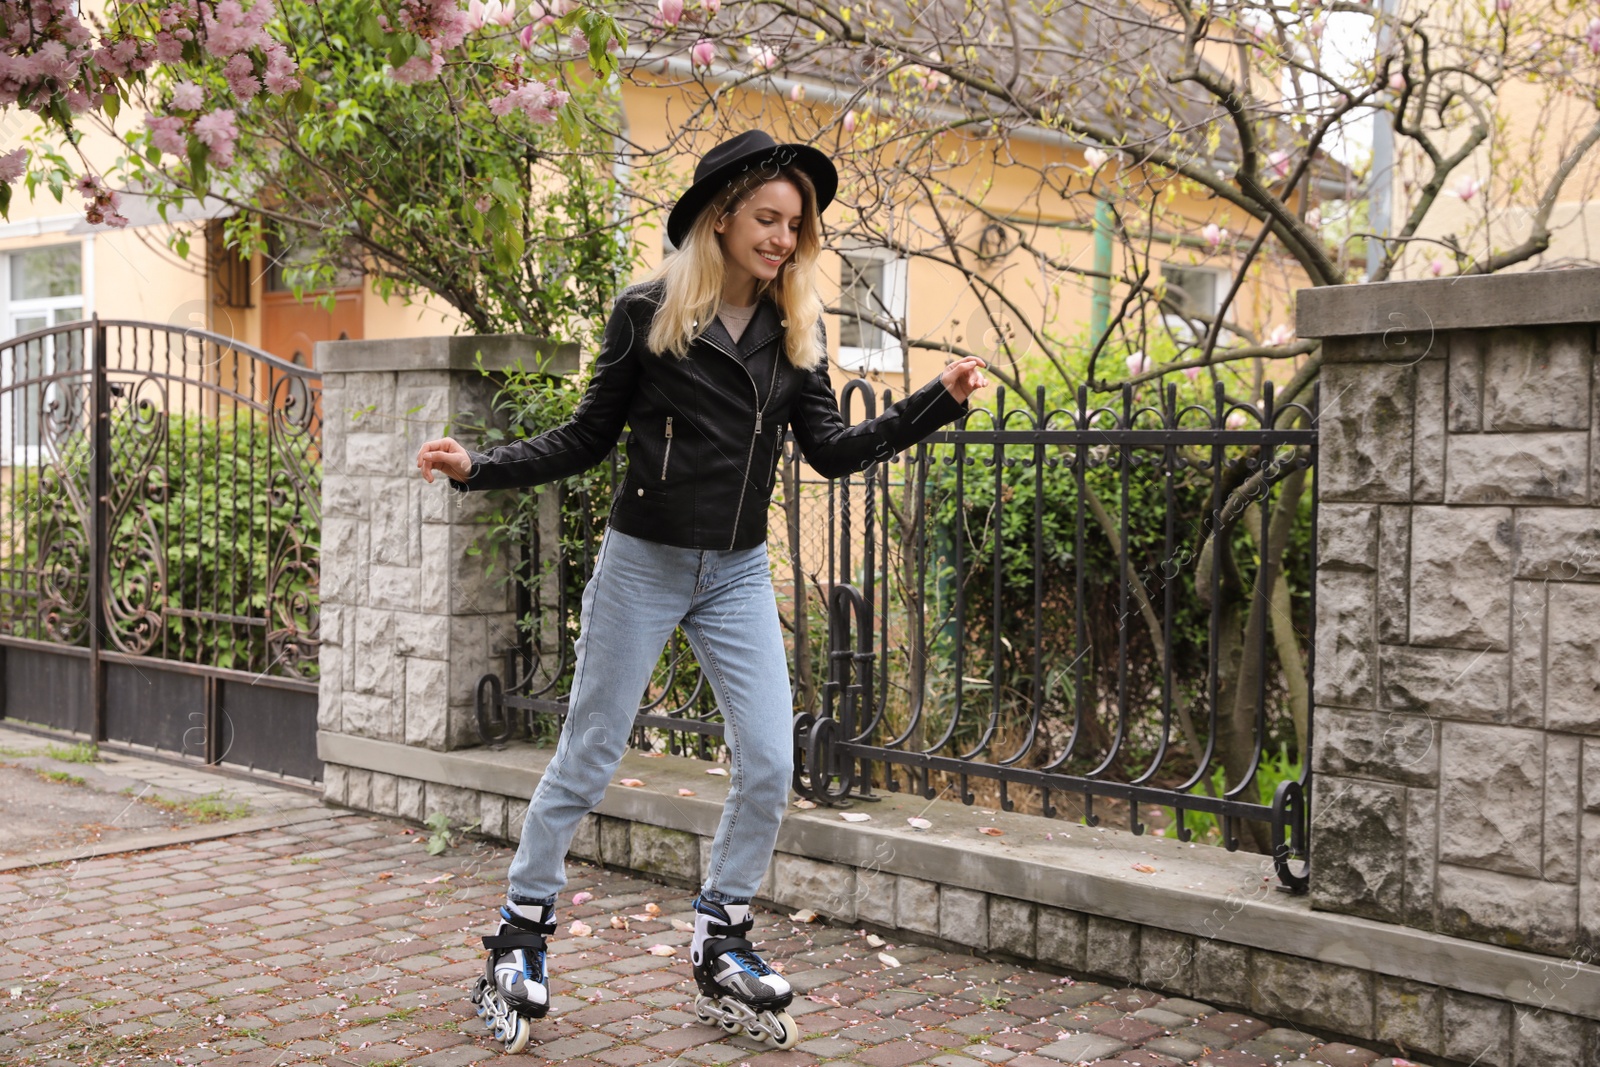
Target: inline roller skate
(738,991)
(514,988)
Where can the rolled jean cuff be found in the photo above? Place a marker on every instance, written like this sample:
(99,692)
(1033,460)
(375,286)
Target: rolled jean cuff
(711,896)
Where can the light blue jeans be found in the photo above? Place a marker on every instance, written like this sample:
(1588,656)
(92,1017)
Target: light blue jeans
(639,593)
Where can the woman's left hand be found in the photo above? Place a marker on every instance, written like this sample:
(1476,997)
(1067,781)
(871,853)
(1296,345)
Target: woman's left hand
(964,377)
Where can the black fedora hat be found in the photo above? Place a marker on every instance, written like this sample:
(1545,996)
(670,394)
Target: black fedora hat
(755,157)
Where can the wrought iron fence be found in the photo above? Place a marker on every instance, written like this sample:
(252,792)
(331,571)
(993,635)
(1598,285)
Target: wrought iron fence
(159,527)
(1073,602)
(1042,603)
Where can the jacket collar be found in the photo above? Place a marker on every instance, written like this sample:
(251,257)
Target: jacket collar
(765,325)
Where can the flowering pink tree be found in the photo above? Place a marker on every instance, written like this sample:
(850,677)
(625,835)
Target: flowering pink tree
(405,139)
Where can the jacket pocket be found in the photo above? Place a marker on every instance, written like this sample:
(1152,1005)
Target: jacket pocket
(667,455)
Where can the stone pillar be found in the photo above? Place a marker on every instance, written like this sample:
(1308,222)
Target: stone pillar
(410,620)
(1457,721)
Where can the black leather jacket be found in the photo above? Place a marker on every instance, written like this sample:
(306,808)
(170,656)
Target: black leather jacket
(707,430)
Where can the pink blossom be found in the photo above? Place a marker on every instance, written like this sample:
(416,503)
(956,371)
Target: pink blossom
(1191,373)
(849,122)
(671,11)
(88,185)
(578,42)
(166,133)
(1278,163)
(281,70)
(1138,363)
(711,7)
(1314,218)
(1593,36)
(537,101)
(1213,234)
(1467,188)
(1281,335)
(1236,420)
(1095,158)
(241,76)
(169,48)
(229,29)
(187,96)
(762,57)
(217,132)
(798,93)
(440,22)
(419,69)
(703,52)
(529,32)
(1436,268)
(13,164)
(1502,5)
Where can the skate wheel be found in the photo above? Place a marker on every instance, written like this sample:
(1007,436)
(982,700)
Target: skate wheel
(520,1033)
(732,1026)
(702,1014)
(788,1033)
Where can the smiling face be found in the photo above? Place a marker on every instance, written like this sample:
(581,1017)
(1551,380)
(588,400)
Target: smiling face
(758,238)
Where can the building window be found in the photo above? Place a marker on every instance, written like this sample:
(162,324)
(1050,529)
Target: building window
(1191,291)
(1198,285)
(871,284)
(288,257)
(43,288)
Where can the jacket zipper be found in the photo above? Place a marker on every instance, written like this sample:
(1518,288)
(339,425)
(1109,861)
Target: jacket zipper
(668,454)
(755,392)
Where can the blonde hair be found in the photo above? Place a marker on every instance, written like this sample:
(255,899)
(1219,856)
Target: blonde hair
(694,274)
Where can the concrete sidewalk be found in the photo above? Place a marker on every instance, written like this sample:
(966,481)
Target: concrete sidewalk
(339,940)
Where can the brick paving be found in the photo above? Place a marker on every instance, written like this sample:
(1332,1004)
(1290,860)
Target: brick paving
(340,941)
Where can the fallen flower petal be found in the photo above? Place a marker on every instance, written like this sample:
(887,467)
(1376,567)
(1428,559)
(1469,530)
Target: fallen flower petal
(888,960)
(807,805)
(920,824)
(661,950)
(685,927)
(875,941)
(686,792)
(652,909)
(618,923)
(804,915)
(992,831)
(1145,867)
(582,898)
(723,771)
(631,783)
(854,816)
(579,928)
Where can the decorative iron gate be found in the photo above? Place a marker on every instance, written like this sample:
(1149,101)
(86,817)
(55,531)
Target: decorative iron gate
(159,526)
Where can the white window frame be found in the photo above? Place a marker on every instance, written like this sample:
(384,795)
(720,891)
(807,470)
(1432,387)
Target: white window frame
(889,358)
(1180,327)
(11,313)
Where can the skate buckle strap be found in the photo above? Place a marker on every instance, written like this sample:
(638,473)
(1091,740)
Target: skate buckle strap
(517,939)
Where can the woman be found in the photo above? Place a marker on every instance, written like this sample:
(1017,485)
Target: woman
(706,363)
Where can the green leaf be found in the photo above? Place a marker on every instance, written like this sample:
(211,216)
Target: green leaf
(5,199)
(369,29)
(505,190)
(181,246)
(198,154)
(111,104)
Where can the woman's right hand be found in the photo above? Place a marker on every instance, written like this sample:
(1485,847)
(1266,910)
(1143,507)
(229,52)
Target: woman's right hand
(446,456)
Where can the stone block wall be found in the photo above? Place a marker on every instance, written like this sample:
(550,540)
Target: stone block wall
(1457,721)
(410,619)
